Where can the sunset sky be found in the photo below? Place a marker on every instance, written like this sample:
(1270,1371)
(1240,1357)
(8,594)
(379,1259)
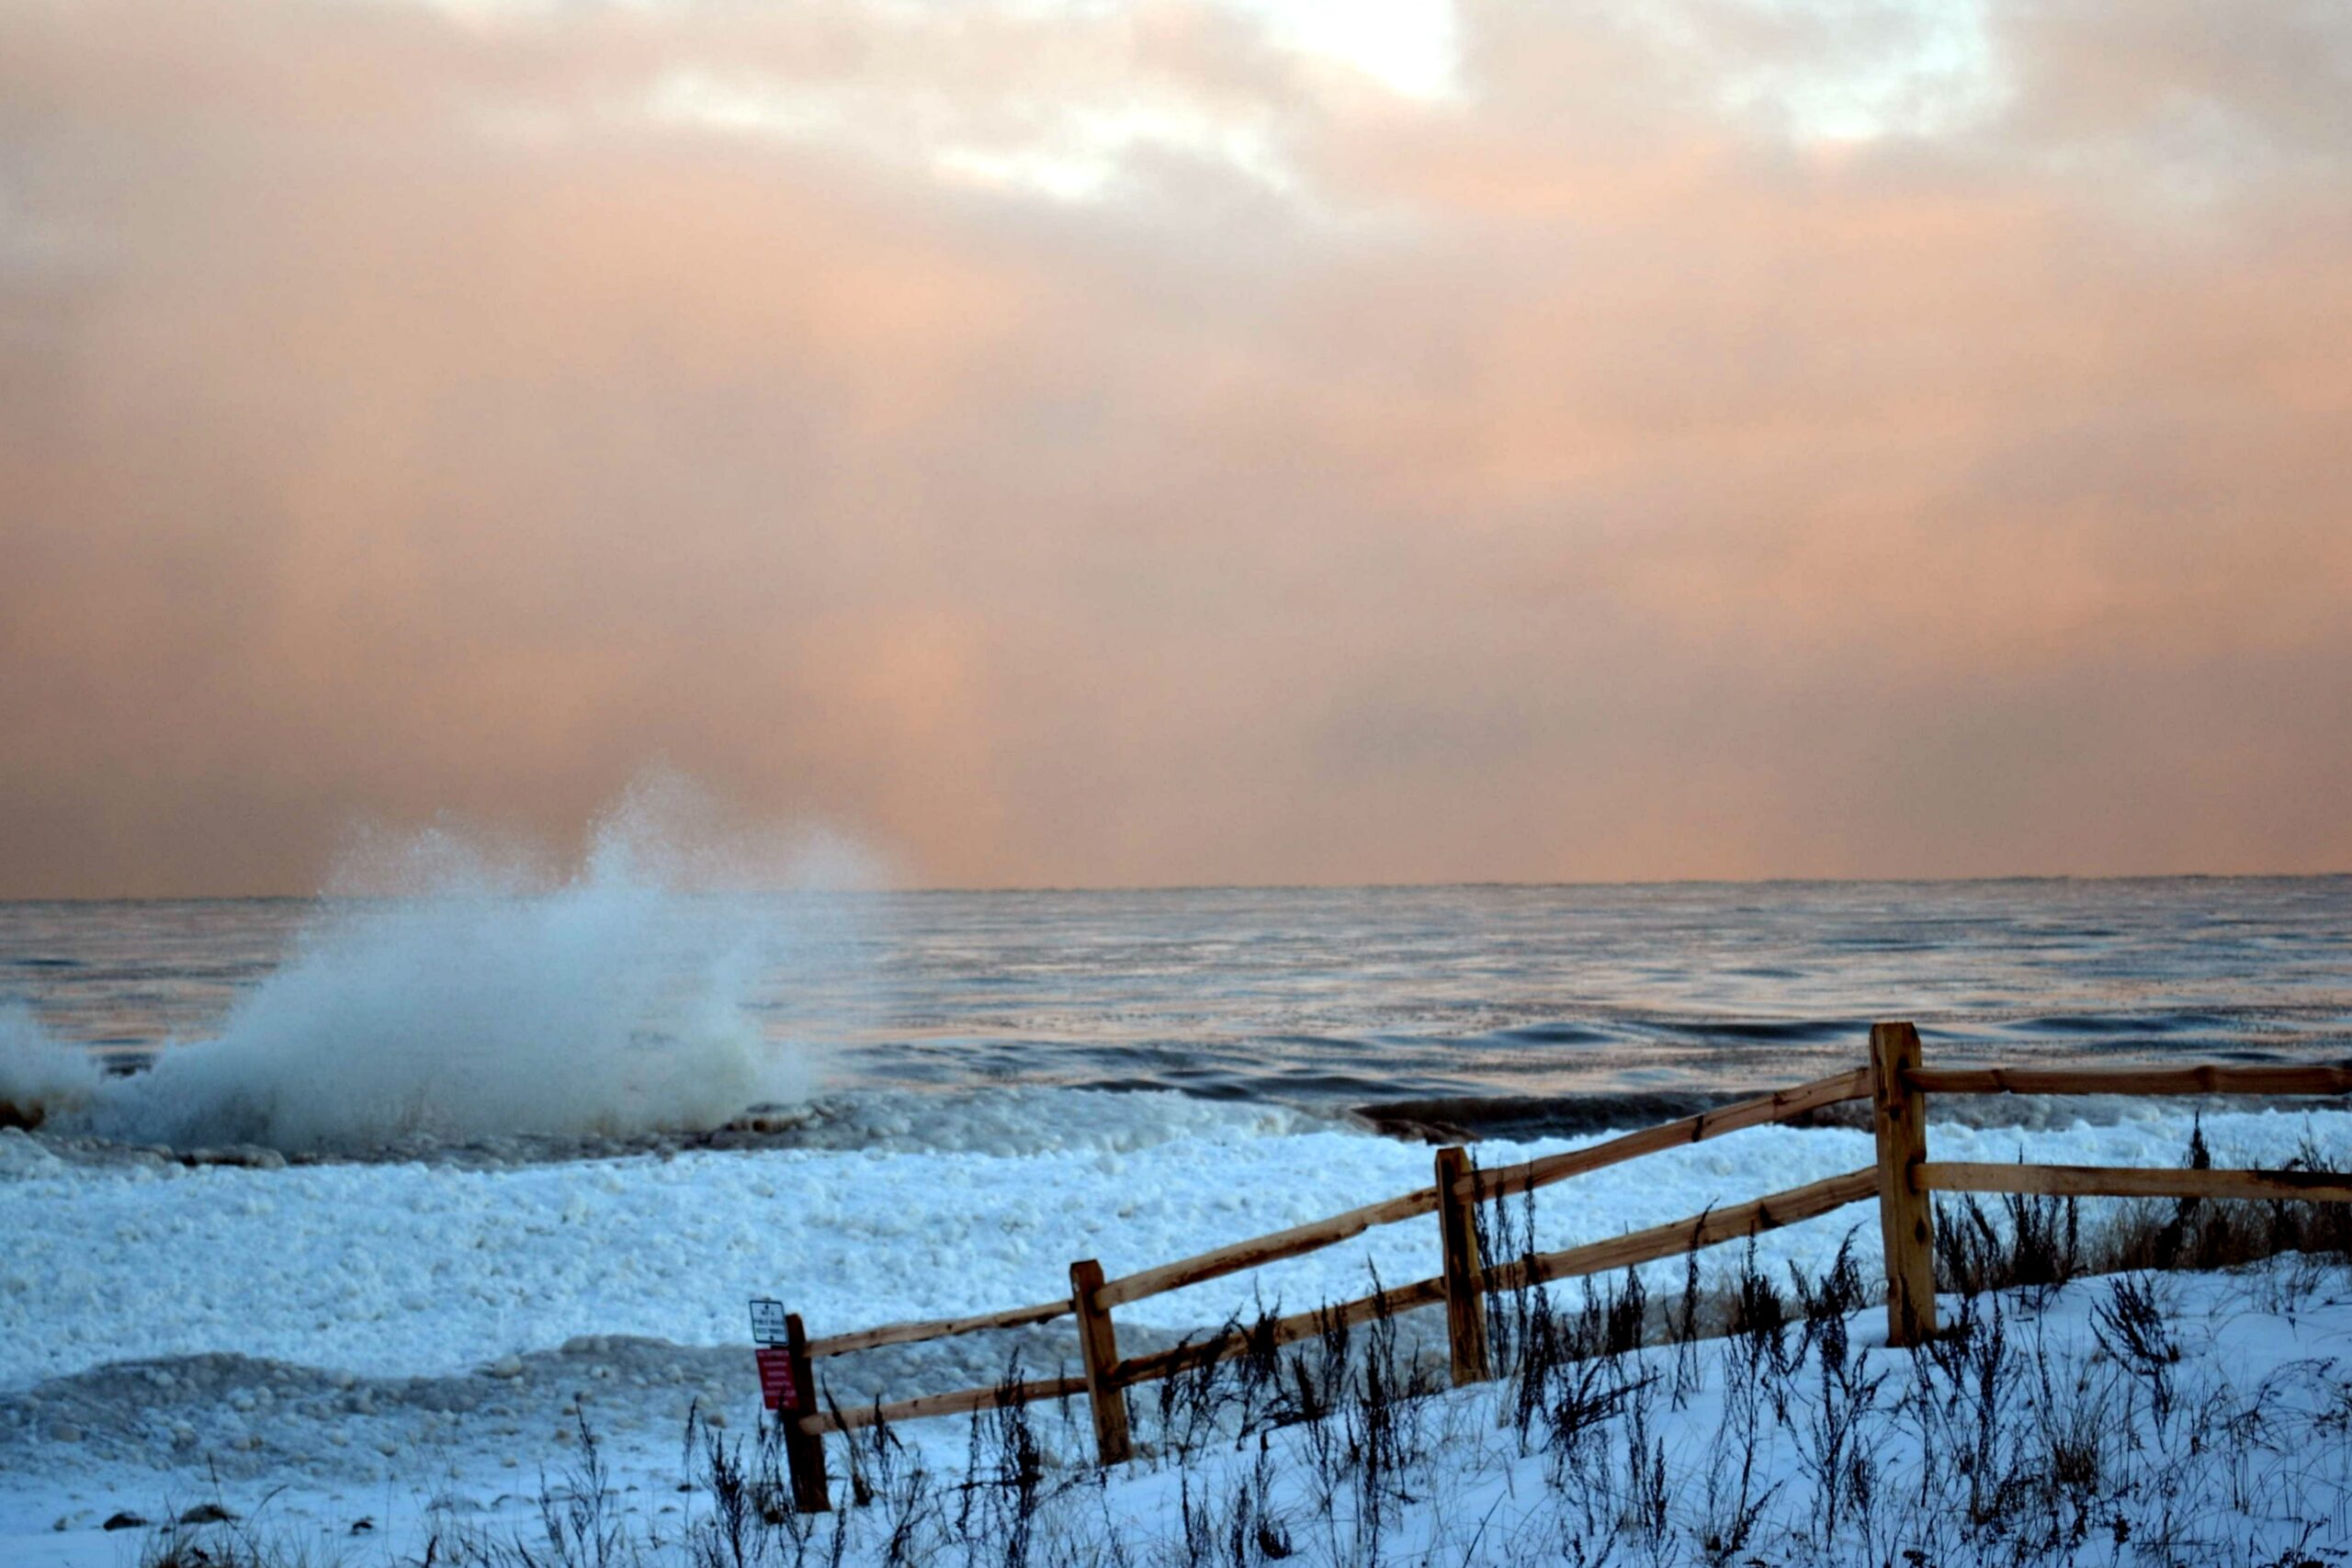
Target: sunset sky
(1109,443)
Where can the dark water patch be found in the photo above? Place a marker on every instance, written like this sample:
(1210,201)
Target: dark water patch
(1550,1035)
(1346,1090)
(2099,1024)
(1344,1042)
(1220,1087)
(1469,1118)
(1201,1083)
(1783,1032)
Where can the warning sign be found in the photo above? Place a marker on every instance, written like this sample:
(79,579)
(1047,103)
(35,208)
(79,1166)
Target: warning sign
(767,1323)
(772,1336)
(776,1389)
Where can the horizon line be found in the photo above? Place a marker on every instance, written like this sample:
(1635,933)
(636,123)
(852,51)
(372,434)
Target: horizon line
(945,889)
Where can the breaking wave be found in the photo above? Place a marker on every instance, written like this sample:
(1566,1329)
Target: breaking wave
(38,1078)
(481,1000)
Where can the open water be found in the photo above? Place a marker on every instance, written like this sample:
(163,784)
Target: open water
(1500,1008)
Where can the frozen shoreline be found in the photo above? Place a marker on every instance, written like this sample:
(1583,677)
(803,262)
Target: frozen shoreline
(378,1334)
(407,1270)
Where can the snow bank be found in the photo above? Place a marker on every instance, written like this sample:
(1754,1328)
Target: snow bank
(416,1269)
(2226,1448)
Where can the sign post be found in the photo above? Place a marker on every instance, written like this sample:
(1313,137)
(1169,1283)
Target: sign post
(788,1388)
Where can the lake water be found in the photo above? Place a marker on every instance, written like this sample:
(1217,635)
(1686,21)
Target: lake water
(1581,1005)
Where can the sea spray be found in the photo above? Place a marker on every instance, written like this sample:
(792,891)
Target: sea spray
(40,1078)
(481,1000)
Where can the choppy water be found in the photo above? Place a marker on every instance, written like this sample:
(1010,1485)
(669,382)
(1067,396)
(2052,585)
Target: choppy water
(1332,999)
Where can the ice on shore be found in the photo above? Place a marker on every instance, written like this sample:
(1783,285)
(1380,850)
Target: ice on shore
(424,1269)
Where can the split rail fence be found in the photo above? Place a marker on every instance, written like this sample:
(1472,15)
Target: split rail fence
(1902,1179)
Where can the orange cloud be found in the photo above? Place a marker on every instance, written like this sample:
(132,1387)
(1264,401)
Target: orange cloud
(1120,448)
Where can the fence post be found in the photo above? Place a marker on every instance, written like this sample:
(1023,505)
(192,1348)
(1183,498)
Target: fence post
(804,1452)
(1098,1346)
(1466,1312)
(1907,1222)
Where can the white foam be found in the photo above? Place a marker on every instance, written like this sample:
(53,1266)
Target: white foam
(477,999)
(40,1078)
(1023,1119)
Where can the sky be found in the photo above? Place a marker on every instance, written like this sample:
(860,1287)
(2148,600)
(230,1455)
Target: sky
(1180,442)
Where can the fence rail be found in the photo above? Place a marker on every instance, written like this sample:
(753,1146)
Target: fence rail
(2176,1082)
(1693,1234)
(1902,1181)
(1781,1105)
(1296,1242)
(2111,1181)
(962,1402)
(936,1328)
(1282,1331)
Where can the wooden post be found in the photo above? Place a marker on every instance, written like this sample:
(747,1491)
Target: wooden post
(804,1452)
(1465,1313)
(1098,1346)
(1906,1222)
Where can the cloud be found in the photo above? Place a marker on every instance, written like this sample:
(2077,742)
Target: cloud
(1127,445)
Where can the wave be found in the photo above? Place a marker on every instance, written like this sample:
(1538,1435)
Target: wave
(40,1079)
(478,1000)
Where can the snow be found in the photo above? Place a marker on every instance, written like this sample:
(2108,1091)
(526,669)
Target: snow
(375,1336)
(2243,1450)
(2262,1367)
(421,1269)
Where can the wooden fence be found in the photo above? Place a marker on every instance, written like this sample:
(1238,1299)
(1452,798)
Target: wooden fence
(1902,1179)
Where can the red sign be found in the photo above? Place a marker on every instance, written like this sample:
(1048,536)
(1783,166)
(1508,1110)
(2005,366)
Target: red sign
(776,1391)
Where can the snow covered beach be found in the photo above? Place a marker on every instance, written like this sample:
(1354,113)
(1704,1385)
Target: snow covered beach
(418,1269)
(363,1328)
